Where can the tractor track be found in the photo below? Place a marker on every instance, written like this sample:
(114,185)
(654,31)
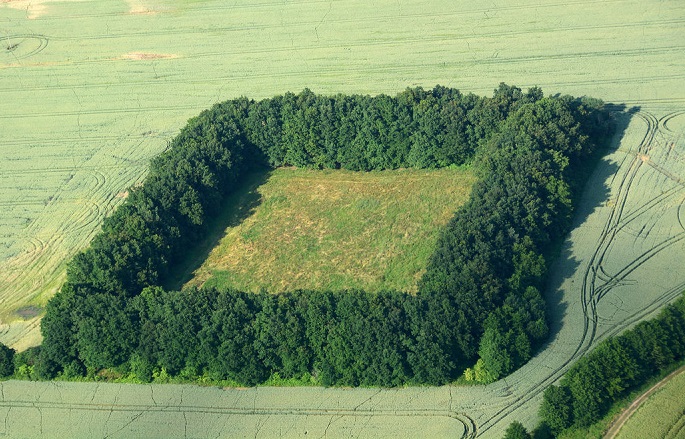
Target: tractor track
(630,220)
(136,410)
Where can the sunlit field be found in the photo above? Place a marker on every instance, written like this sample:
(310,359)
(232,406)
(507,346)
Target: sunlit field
(91,90)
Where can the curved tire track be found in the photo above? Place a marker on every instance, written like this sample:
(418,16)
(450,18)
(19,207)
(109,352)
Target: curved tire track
(14,45)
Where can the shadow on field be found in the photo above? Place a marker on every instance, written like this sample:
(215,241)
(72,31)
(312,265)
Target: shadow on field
(594,195)
(237,207)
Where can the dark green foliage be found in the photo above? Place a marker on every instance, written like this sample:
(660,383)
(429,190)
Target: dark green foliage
(516,430)
(59,329)
(490,256)
(29,364)
(169,326)
(6,361)
(556,409)
(615,366)
(479,296)
(365,340)
(504,344)
(542,432)
(105,331)
(227,341)
(417,128)
(281,336)
(436,341)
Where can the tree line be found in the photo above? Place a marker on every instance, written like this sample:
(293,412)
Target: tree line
(615,367)
(479,301)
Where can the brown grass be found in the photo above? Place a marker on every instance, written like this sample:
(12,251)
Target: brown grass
(337,230)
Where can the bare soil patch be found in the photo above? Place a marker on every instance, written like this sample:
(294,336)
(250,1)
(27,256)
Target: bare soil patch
(29,312)
(33,8)
(137,56)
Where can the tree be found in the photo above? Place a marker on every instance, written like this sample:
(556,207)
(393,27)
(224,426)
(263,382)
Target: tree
(227,340)
(59,330)
(479,294)
(516,430)
(6,361)
(280,341)
(556,410)
(106,331)
(504,344)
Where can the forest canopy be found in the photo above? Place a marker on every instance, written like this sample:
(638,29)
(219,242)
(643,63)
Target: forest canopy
(478,310)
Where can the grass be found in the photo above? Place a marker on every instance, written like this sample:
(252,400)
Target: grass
(335,230)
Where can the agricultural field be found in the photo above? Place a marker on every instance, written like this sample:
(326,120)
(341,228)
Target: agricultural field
(91,91)
(373,231)
(659,412)
(662,415)
(92,410)
(87,98)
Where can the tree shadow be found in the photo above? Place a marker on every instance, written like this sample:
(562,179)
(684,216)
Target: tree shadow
(237,207)
(595,194)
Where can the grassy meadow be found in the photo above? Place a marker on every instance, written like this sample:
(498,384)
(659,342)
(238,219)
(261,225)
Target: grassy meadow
(333,229)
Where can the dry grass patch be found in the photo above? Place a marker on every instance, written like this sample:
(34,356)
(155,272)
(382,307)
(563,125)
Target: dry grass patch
(143,56)
(336,230)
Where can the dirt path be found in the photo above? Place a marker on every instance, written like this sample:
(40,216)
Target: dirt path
(616,426)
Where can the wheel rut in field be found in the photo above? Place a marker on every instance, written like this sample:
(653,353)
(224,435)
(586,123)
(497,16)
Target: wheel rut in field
(20,46)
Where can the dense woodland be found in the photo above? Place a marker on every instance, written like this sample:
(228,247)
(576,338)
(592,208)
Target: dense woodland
(479,308)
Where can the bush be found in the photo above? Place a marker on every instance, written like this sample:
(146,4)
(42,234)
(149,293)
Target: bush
(516,430)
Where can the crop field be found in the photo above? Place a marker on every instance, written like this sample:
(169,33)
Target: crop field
(619,265)
(659,412)
(91,410)
(90,91)
(662,415)
(373,231)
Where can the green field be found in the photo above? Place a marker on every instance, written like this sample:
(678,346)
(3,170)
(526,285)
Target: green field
(91,90)
(168,411)
(661,415)
(333,230)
